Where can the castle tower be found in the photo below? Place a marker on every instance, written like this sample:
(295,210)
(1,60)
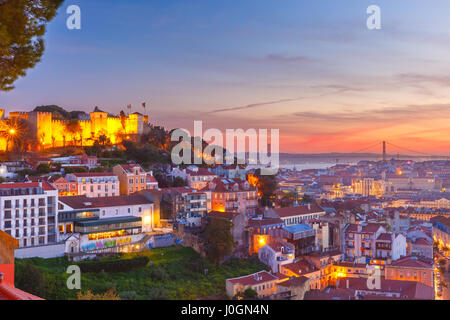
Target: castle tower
(99,122)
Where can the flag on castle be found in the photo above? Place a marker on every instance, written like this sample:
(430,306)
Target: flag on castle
(143,105)
(129,106)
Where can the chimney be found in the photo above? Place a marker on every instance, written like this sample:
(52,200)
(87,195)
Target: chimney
(348,284)
(309,206)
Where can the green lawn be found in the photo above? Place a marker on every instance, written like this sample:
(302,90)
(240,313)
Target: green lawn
(172,273)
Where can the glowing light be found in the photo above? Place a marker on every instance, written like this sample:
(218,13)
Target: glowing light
(12,131)
(147,220)
(253,180)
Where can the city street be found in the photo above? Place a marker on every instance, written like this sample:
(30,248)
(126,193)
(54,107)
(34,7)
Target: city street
(441,277)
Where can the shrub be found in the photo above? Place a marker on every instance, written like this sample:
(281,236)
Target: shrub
(158,274)
(128,295)
(114,265)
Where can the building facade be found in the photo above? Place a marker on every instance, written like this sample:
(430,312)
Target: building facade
(132,178)
(95,184)
(28,212)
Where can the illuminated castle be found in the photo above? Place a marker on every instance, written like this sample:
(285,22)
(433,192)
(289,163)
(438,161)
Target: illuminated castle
(51,133)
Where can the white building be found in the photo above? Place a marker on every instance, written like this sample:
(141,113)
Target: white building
(197,178)
(28,212)
(4,172)
(277,253)
(96,184)
(99,223)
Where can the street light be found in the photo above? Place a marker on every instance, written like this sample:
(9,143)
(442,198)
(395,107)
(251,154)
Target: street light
(12,131)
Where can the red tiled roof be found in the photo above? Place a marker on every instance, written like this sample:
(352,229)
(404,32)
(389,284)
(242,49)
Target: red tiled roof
(93,174)
(80,202)
(12,293)
(412,262)
(228,185)
(130,166)
(369,228)
(407,289)
(8,185)
(385,237)
(294,282)
(255,278)
(298,210)
(277,245)
(300,267)
(422,242)
(151,178)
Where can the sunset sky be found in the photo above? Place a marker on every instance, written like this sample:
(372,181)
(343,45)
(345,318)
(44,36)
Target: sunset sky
(309,68)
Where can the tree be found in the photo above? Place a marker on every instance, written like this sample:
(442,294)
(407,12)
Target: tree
(43,168)
(88,295)
(250,294)
(30,279)
(308,199)
(73,127)
(75,169)
(16,132)
(220,242)
(103,138)
(22,27)
(179,182)
(267,185)
(157,136)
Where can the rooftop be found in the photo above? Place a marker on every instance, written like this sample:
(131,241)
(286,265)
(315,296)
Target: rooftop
(412,262)
(298,210)
(93,174)
(252,279)
(297,228)
(83,202)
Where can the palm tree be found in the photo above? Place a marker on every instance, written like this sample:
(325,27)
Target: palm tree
(17,131)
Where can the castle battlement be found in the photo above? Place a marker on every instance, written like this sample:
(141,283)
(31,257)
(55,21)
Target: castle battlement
(49,132)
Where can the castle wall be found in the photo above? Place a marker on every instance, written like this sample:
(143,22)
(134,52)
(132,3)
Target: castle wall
(50,133)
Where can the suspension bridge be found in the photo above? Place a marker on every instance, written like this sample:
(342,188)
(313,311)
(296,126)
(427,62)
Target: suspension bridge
(390,150)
